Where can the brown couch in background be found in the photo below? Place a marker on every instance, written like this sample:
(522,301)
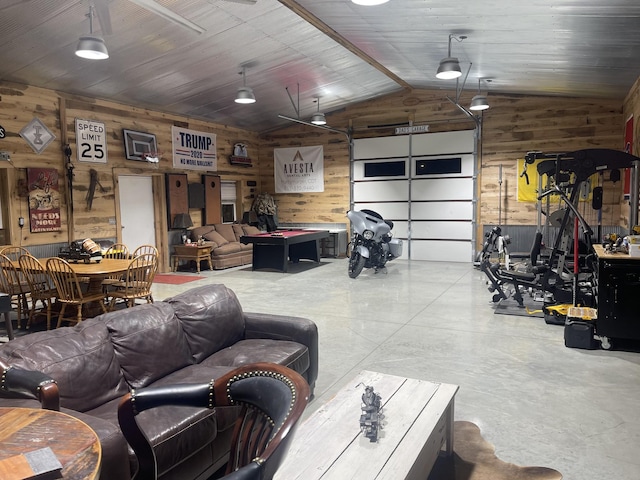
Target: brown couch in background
(224,238)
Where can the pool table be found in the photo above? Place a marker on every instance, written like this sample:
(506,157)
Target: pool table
(275,249)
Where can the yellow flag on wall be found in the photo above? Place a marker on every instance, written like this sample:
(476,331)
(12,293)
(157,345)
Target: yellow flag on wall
(528,192)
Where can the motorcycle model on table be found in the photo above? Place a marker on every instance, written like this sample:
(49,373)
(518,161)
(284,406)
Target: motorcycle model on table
(372,244)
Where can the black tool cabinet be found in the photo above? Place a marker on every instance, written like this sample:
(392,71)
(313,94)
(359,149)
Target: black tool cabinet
(617,283)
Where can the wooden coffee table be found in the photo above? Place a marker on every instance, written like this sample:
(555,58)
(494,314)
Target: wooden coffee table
(25,430)
(417,427)
(196,253)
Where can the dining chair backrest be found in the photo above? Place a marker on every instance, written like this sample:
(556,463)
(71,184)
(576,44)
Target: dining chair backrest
(65,280)
(11,281)
(117,250)
(36,274)
(141,272)
(14,252)
(143,249)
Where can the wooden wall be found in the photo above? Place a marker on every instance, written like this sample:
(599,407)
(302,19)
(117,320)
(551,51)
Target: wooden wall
(512,126)
(19,104)
(632,107)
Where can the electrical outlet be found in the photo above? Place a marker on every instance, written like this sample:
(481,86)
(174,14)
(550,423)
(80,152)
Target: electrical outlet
(5,156)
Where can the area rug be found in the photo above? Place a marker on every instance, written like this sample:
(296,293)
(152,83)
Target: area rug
(175,279)
(474,459)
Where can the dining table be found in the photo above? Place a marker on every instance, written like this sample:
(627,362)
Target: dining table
(95,272)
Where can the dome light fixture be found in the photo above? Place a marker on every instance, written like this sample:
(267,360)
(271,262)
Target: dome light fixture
(318,118)
(450,66)
(369,2)
(245,94)
(479,102)
(91,47)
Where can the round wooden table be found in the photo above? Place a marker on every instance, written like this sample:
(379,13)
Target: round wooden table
(75,445)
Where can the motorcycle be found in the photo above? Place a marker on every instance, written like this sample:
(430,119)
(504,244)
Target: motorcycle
(372,244)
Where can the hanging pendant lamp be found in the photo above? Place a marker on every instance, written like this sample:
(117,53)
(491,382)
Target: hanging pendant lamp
(245,94)
(479,102)
(318,118)
(91,47)
(449,67)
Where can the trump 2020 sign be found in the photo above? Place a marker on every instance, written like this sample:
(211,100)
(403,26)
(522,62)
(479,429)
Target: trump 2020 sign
(194,150)
(299,169)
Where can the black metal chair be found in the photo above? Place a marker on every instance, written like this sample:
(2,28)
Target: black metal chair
(272,399)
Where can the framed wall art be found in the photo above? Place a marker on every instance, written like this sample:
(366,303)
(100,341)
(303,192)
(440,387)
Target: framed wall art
(137,145)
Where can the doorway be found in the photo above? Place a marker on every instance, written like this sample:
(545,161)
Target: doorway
(137,211)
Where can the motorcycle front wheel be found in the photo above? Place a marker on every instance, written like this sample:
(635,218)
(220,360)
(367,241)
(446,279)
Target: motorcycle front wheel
(356,264)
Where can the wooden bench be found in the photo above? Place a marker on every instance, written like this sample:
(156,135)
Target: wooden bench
(417,427)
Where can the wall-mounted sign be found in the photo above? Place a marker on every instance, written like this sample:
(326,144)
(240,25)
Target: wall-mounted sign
(193,150)
(299,169)
(37,135)
(3,132)
(44,200)
(240,155)
(412,129)
(91,141)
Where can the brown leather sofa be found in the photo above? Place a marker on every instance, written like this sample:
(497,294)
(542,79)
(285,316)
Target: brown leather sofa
(224,238)
(190,338)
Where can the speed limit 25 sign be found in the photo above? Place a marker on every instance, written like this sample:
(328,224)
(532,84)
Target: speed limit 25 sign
(91,141)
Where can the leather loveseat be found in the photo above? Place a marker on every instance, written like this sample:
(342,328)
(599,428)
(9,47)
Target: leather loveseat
(224,239)
(192,337)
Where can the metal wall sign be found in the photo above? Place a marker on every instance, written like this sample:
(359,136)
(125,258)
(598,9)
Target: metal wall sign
(412,129)
(37,135)
(91,141)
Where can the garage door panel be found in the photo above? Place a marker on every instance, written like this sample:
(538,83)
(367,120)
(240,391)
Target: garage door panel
(391,211)
(442,189)
(441,230)
(387,191)
(445,251)
(442,143)
(442,210)
(382,147)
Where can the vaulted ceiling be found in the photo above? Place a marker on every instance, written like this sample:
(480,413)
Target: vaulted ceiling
(296,51)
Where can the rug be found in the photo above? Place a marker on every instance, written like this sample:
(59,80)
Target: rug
(474,459)
(171,279)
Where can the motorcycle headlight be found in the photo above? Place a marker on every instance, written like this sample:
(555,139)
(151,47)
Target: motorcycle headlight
(367,234)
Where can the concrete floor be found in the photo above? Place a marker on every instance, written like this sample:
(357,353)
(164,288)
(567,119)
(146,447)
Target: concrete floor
(539,402)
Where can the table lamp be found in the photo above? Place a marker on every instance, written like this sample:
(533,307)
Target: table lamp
(183,221)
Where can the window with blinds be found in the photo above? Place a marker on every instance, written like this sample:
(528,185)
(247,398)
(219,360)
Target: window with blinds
(229,200)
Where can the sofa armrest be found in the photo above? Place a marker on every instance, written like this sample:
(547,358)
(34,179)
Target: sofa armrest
(30,384)
(284,327)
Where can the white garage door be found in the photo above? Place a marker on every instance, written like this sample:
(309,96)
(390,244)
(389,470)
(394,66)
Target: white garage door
(424,183)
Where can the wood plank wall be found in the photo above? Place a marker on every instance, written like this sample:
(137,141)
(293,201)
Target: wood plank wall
(19,104)
(632,107)
(512,126)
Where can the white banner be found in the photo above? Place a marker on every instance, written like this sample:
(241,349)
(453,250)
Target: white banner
(299,169)
(91,141)
(193,150)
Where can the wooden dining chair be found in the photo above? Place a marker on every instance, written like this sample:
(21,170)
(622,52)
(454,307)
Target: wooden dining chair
(13,283)
(137,281)
(144,249)
(13,252)
(272,399)
(70,291)
(118,251)
(41,286)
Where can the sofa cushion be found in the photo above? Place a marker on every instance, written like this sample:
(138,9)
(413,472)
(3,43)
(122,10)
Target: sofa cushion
(228,248)
(148,341)
(198,232)
(237,231)
(80,359)
(290,354)
(250,230)
(226,230)
(215,237)
(211,318)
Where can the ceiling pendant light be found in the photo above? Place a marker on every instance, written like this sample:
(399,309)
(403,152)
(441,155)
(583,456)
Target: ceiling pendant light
(369,2)
(318,117)
(91,46)
(450,66)
(479,102)
(245,94)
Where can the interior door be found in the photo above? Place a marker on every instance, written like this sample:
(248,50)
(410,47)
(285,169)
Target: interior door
(136,210)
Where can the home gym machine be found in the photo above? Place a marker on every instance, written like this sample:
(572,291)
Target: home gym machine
(556,277)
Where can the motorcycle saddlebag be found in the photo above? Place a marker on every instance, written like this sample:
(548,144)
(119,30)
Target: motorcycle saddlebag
(395,247)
